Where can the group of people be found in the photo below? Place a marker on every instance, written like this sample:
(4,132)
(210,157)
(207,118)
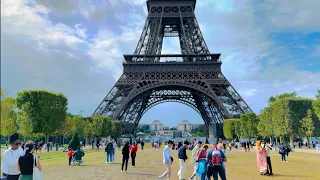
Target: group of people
(75,156)
(18,163)
(207,163)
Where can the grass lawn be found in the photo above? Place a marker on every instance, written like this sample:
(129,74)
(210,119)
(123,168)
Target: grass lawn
(149,165)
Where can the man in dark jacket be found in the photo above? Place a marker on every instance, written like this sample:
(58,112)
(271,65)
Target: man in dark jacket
(78,157)
(109,152)
(182,155)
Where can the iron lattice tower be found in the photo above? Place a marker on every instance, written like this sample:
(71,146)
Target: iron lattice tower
(194,77)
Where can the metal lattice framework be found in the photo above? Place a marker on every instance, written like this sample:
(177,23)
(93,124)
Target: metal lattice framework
(193,78)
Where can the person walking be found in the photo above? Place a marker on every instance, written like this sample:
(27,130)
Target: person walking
(167,160)
(194,159)
(133,149)
(215,158)
(125,156)
(109,152)
(10,158)
(261,158)
(70,154)
(114,150)
(282,152)
(142,145)
(27,162)
(269,166)
(182,155)
(202,159)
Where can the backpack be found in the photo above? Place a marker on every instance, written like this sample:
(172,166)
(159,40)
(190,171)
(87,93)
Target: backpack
(216,159)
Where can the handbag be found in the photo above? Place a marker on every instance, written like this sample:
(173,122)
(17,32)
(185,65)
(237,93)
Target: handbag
(36,172)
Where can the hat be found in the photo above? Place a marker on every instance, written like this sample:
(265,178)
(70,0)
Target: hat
(13,137)
(199,142)
(170,142)
(186,142)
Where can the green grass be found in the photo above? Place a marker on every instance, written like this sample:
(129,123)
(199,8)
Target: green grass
(149,166)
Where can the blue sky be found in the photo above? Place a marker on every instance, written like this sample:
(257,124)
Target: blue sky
(76,47)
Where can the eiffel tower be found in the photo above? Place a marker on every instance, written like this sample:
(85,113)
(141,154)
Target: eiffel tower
(193,77)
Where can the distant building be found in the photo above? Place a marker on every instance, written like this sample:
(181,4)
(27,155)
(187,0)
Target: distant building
(156,126)
(185,125)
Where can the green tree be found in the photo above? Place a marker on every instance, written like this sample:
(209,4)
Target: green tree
(228,129)
(265,125)
(307,125)
(117,128)
(249,123)
(316,104)
(273,99)
(96,126)
(8,115)
(287,114)
(46,111)
(75,142)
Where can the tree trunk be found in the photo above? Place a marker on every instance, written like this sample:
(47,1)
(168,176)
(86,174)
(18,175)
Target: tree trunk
(271,140)
(46,140)
(280,139)
(291,141)
(310,142)
(62,140)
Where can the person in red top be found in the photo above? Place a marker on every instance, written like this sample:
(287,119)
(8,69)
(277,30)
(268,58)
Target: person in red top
(70,153)
(133,149)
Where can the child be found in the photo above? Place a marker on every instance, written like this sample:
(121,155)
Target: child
(70,153)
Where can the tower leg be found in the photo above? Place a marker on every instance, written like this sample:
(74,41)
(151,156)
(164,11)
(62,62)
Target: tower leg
(212,130)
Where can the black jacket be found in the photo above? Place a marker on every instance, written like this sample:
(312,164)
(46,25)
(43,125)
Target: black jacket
(182,153)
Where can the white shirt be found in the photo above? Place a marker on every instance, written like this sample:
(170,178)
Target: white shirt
(10,160)
(268,148)
(166,155)
(114,145)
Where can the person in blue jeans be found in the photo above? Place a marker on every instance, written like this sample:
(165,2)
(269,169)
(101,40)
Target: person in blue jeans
(216,168)
(109,152)
(282,152)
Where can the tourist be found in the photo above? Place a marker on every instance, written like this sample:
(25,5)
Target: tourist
(114,150)
(70,153)
(109,152)
(287,150)
(10,157)
(282,151)
(194,159)
(261,158)
(174,146)
(27,162)
(202,159)
(248,146)
(133,149)
(167,160)
(182,155)
(142,145)
(245,146)
(215,158)
(179,145)
(77,157)
(269,166)
(125,156)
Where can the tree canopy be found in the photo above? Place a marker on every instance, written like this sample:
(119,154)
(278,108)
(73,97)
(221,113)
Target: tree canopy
(45,111)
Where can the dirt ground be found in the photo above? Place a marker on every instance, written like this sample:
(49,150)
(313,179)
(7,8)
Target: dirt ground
(240,165)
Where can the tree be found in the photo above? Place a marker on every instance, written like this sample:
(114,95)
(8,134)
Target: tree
(316,104)
(117,128)
(228,129)
(75,142)
(265,126)
(307,125)
(8,115)
(46,111)
(249,123)
(96,126)
(273,99)
(173,128)
(287,114)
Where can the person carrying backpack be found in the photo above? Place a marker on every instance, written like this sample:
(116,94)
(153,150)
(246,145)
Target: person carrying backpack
(282,152)
(215,158)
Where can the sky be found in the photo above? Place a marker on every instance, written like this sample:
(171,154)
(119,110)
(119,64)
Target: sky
(76,47)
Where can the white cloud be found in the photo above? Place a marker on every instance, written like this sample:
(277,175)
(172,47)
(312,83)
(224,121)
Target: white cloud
(316,52)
